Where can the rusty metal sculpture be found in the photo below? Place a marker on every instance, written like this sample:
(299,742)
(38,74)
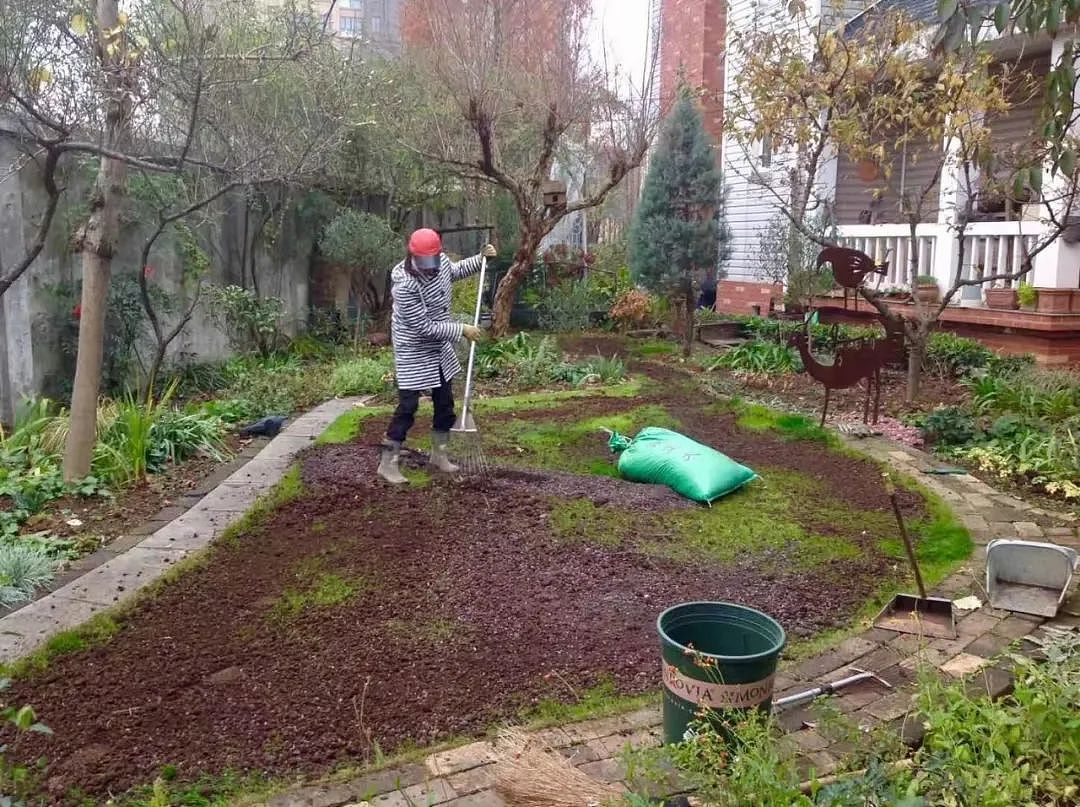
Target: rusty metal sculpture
(849,267)
(855,360)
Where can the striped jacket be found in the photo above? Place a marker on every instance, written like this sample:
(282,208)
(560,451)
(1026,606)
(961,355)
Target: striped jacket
(421,329)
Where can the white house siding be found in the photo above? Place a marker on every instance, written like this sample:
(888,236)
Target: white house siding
(751,202)
(750,205)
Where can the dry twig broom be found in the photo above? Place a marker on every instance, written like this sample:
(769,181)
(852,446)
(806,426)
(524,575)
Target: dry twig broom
(530,774)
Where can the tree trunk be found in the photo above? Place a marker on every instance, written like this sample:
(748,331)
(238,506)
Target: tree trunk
(688,317)
(916,352)
(98,244)
(504,295)
(84,396)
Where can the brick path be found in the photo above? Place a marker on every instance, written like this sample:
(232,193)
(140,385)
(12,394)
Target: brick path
(464,776)
(115,574)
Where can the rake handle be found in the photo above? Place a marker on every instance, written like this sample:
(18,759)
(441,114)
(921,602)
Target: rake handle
(472,345)
(907,544)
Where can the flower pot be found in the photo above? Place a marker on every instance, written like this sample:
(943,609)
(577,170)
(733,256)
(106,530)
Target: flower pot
(1004,299)
(927,293)
(1054,301)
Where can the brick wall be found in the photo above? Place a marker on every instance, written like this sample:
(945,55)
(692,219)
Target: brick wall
(737,297)
(692,34)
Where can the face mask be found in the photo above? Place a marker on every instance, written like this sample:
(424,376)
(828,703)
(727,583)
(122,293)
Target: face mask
(424,272)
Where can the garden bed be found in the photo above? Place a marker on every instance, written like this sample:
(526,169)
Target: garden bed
(357,620)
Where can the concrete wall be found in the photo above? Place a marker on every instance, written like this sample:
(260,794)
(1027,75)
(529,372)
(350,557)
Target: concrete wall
(31,362)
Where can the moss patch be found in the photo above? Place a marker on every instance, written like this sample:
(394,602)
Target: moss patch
(418,477)
(653,347)
(318,583)
(581,520)
(940,540)
(558,445)
(783,520)
(348,426)
(600,700)
(436,630)
(324,590)
(546,400)
(288,489)
(96,631)
(768,518)
(787,425)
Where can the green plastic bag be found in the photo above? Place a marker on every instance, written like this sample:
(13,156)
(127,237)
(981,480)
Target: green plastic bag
(693,470)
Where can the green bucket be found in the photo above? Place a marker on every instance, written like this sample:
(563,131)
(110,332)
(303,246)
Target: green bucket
(717,656)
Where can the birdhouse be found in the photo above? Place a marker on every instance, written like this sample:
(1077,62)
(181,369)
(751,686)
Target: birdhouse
(554,193)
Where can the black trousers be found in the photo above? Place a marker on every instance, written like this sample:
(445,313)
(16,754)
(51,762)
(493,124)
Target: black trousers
(409,401)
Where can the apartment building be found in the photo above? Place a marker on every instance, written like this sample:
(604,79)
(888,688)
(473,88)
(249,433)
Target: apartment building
(374,24)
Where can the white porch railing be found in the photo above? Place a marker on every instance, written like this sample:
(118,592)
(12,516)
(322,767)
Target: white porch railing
(891,244)
(990,248)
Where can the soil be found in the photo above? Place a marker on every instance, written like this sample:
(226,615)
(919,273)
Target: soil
(104,519)
(800,390)
(804,393)
(457,607)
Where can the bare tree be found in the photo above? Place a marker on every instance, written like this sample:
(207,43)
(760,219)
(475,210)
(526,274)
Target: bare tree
(510,83)
(247,97)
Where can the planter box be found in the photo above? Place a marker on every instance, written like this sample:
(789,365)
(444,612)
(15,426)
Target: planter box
(1054,301)
(927,293)
(718,330)
(1004,299)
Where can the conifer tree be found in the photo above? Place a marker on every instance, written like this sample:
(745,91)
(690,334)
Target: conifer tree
(678,231)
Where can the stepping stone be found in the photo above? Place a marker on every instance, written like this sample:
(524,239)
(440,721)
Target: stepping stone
(857,430)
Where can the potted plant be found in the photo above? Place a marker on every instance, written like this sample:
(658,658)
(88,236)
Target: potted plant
(1027,296)
(1002,298)
(897,294)
(926,289)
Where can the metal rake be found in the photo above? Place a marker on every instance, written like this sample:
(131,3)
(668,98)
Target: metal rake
(471,454)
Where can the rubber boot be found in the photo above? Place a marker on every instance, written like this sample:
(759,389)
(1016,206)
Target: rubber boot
(440,456)
(390,463)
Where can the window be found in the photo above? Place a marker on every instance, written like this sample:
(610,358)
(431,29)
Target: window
(376,25)
(357,4)
(350,26)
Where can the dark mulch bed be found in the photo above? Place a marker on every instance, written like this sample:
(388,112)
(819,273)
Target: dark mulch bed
(107,518)
(466,611)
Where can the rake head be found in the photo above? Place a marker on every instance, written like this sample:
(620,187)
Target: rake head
(464,424)
(471,456)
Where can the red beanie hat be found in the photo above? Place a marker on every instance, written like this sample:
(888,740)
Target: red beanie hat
(425,247)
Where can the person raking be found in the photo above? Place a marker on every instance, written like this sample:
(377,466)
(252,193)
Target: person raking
(423,336)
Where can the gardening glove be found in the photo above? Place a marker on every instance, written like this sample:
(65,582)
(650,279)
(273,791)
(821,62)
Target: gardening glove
(489,251)
(472,333)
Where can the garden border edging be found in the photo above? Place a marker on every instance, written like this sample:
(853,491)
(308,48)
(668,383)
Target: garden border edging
(119,579)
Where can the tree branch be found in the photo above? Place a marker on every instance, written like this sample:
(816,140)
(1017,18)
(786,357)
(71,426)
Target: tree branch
(49,181)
